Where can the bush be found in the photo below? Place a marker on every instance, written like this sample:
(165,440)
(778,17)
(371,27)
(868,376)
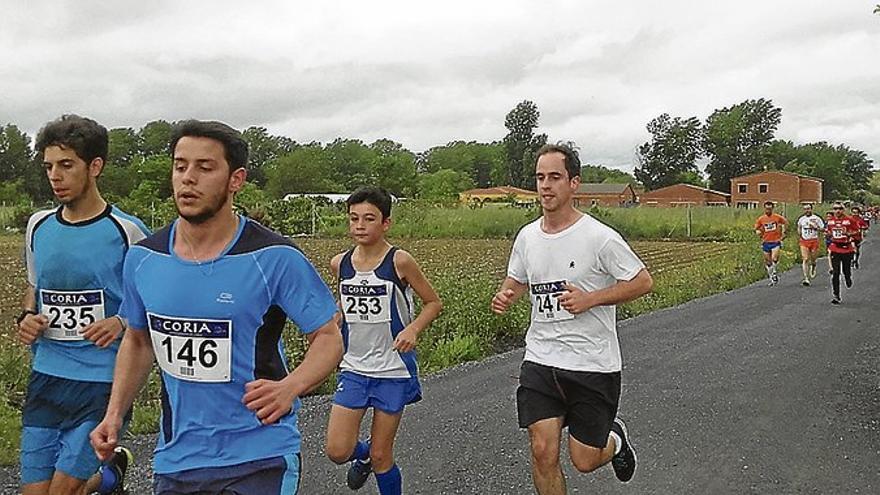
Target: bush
(20,216)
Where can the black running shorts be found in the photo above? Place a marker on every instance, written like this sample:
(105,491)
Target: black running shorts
(586,401)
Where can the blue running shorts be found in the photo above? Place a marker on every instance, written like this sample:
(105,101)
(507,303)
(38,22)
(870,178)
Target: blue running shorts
(389,395)
(273,476)
(58,416)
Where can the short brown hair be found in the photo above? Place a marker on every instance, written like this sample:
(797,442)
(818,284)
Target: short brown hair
(569,151)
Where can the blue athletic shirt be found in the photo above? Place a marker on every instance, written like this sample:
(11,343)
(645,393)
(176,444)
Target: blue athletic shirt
(215,326)
(76,272)
(376,306)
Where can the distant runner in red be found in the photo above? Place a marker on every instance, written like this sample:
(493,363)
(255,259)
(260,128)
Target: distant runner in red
(859,235)
(841,229)
(828,216)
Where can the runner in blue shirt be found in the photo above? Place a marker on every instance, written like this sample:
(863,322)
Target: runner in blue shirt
(74,256)
(207,298)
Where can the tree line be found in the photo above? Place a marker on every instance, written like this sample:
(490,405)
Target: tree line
(738,140)
(732,141)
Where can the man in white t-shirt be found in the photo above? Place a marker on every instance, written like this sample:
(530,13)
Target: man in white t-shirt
(576,270)
(809,227)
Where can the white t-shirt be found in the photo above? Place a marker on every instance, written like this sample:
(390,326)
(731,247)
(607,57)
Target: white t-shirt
(591,256)
(810,226)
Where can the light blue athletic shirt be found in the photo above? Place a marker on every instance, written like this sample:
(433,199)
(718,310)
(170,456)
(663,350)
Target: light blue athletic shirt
(76,272)
(214,327)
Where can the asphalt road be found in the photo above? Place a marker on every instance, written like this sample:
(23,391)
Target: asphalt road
(768,390)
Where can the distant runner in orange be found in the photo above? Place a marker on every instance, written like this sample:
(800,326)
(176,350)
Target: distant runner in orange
(771,228)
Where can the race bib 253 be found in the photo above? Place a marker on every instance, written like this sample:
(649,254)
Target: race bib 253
(366,303)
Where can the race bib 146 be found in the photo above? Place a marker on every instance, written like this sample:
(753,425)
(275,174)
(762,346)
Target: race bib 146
(192,349)
(70,311)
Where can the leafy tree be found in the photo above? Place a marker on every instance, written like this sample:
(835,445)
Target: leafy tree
(671,153)
(154,138)
(36,184)
(874,183)
(779,153)
(250,198)
(15,152)
(735,139)
(304,170)
(477,160)
(117,182)
(351,163)
(12,193)
(394,168)
(598,174)
(691,177)
(263,148)
(521,143)
(825,162)
(444,185)
(123,147)
(843,170)
(857,166)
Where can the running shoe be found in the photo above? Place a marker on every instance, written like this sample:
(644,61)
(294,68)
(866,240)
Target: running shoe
(122,458)
(855,264)
(848,283)
(358,473)
(806,283)
(835,300)
(624,462)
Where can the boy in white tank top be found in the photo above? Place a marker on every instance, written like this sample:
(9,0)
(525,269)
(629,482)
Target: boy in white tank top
(378,369)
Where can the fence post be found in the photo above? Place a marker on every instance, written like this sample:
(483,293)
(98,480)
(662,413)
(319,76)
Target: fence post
(689,220)
(314,216)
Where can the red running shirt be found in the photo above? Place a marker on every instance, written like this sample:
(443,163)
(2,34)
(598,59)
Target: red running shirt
(841,231)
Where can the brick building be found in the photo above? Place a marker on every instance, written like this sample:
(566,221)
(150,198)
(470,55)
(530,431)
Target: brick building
(684,195)
(605,195)
(498,194)
(750,191)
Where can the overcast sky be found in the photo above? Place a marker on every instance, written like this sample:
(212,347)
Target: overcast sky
(425,73)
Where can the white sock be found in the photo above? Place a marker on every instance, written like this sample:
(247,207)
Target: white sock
(618,443)
(773,268)
(769,270)
(806,266)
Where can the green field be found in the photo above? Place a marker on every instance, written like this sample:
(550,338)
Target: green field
(465,272)
(417,220)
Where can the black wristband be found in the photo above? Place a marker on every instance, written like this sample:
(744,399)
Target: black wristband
(23,314)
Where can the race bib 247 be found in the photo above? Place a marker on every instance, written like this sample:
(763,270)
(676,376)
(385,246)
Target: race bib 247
(545,302)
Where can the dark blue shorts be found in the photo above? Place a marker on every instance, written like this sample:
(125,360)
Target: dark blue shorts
(770,246)
(273,476)
(58,416)
(389,395)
